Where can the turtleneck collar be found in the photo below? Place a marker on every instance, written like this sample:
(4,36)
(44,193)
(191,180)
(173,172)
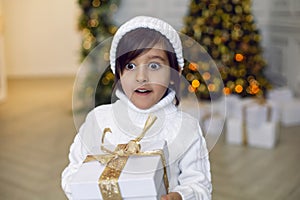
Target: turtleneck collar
(164,103)
(131,119)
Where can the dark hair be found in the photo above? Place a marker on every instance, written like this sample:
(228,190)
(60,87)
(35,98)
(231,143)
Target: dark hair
(139,41)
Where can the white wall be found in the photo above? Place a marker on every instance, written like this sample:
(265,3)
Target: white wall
(279,22)
(172,11)
(2,63)
(41,37)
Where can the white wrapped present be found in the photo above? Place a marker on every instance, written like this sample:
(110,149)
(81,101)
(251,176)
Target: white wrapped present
(234,119)
(234,131)
(141,178)
(257,126)
(290,112)
(234,106)
(211,114)
(213,124)
(214,120)
(257,112)
(280,95)
(264,136)
(288,105)
(194,108)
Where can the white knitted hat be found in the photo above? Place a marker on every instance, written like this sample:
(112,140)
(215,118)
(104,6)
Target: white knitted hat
(152,23)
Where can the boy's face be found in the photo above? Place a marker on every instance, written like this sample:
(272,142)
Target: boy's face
(145,79)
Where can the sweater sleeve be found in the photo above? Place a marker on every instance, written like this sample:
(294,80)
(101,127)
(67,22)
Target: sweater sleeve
(77,154)
(76,157)
(195,178)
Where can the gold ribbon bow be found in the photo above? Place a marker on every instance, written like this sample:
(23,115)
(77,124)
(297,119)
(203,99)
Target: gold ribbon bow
(115,162)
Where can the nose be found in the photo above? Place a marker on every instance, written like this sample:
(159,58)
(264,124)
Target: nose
(141,75)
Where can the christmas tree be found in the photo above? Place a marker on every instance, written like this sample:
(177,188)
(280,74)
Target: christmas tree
(96,25)
(227,31)
(95,22)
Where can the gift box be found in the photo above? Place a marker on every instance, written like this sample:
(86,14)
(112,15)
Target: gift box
(234,131)
(234,128)
(281,94)
(141,178)
(211,114)
(213,124)
(234,106)
(214,120)
(288,104)
(264,136)
(290,113)
(257,126)
(260,111)
(194,108)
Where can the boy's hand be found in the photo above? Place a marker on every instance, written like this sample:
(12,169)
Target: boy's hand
(171,196)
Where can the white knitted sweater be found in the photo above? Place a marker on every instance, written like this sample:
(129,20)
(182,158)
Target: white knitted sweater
(188,161)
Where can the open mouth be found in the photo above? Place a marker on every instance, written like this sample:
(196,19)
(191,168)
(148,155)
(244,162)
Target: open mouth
(143,91)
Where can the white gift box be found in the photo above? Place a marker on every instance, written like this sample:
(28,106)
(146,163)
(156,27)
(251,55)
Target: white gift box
(257,113)
(290,113)
(211,114)
(260,128)
(194,108)
(141,178)
(213,125)
(288,104)
(264,136)
(214,120)
(280,95)
(234,106)
(234,131)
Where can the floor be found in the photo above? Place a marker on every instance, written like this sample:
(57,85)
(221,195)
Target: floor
(36,130)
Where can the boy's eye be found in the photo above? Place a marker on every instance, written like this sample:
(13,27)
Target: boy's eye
(154,66)
(130,66)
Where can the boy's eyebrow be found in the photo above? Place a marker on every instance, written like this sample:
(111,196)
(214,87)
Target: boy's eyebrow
(157,57)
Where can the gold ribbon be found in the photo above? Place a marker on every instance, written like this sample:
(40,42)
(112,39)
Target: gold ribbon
(259,101)
(116,160)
